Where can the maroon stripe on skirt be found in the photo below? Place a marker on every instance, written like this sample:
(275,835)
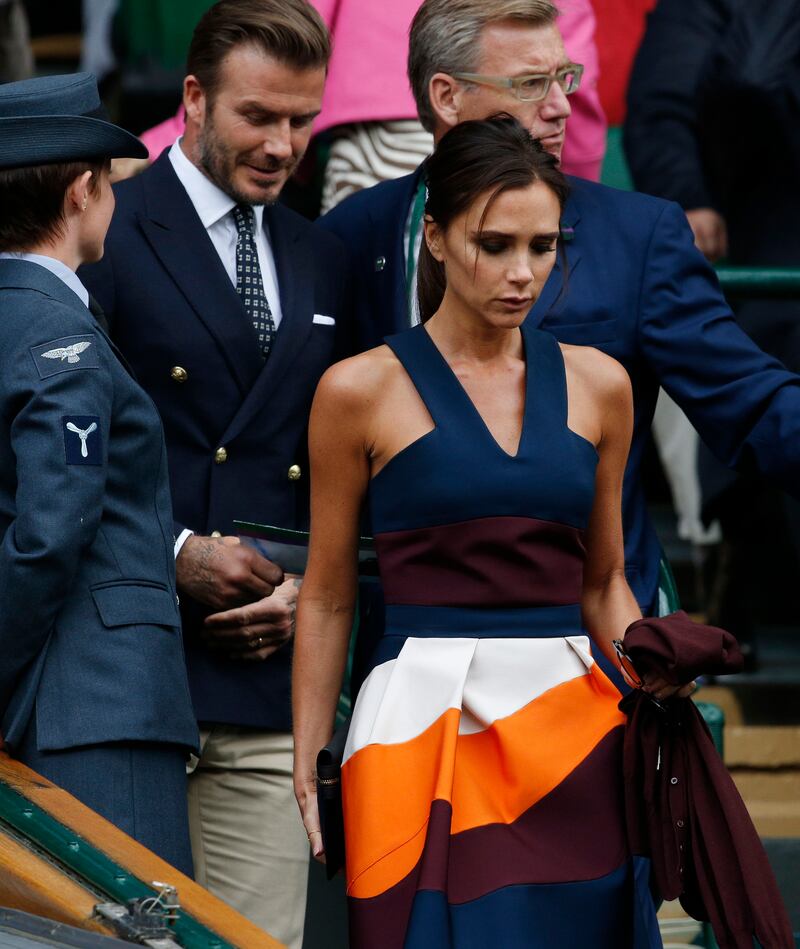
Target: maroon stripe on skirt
(575,833)
(485,562)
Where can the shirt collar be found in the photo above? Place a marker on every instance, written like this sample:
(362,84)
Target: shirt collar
(58,268)
(209,200)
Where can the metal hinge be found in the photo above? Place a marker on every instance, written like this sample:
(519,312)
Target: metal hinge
(146,921)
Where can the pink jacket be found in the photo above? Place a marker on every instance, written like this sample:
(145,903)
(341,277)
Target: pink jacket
(367,76)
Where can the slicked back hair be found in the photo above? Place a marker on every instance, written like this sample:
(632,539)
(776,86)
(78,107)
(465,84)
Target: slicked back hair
(290,31)
(445,36)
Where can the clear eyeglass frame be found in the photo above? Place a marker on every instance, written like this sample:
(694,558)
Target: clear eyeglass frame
(532,88)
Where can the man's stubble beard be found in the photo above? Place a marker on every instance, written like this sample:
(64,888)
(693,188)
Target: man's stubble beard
(214,159)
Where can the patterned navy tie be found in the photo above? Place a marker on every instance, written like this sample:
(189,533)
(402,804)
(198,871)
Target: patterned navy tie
(249,284)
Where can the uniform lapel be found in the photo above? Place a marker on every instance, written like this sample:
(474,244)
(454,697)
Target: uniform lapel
(554,290)
(178,238)
(294,267)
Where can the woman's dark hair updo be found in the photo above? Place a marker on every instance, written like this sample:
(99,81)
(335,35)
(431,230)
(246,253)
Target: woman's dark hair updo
(494,155)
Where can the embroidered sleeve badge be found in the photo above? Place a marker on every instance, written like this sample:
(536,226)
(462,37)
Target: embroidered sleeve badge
(70,353)
(63,355)
(82,440)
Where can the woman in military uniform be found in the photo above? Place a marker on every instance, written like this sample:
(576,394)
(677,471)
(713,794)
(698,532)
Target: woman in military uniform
(93,688)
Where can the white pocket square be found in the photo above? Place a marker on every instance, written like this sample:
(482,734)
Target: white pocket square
(324,320)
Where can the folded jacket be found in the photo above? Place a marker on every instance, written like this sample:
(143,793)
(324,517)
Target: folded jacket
(682,807)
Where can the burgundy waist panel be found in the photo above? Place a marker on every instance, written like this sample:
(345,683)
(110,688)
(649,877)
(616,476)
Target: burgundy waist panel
(485,562)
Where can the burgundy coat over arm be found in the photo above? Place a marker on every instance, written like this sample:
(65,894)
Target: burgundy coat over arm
(682,807)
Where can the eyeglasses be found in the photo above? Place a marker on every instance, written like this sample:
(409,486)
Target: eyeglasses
(531,88)
(630,674)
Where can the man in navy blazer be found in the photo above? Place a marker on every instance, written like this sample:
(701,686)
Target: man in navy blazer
(634,285)
(230,307)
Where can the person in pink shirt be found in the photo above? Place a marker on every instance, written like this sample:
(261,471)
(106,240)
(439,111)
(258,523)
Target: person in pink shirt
(370,112)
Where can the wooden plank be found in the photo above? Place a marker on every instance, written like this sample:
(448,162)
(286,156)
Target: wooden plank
(762,746)
(29,883)
(136,859)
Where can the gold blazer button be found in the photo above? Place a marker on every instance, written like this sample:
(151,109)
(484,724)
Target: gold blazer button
(221,456)
(179,374)
(294,473)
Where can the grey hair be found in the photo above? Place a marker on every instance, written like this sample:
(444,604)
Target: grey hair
(445,37)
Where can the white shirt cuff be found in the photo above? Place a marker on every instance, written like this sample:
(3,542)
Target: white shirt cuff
(181,540)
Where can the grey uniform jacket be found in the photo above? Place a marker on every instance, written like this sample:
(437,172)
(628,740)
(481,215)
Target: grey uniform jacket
(89,624)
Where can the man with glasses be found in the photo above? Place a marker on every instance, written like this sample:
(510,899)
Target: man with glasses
(636,286)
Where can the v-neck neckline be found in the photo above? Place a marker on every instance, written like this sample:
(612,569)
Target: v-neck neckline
(467,398)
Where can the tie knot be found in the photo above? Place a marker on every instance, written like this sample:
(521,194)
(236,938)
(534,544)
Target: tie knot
(244,218)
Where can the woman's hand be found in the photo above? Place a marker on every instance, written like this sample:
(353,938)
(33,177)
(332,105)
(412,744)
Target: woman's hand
(660,689)
(306,796)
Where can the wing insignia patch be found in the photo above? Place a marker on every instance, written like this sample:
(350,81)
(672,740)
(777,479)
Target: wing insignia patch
(70,353)
(65,355)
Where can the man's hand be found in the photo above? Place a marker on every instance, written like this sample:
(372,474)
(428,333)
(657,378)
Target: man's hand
(255,631)
(710,232)
(223,573)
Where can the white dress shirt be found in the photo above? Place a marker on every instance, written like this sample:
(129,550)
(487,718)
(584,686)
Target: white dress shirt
(214,209)
(56,267)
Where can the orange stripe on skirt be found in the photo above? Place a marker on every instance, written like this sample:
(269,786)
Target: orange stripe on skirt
(492,776)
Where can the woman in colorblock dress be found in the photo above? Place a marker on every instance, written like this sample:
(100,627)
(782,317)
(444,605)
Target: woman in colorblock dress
(482,773)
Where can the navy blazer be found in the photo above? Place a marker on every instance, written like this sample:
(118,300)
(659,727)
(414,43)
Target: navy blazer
(637,289)
(89,626)
(171,306)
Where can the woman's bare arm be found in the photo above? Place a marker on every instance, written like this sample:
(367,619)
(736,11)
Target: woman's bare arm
(339,476)
(607,603)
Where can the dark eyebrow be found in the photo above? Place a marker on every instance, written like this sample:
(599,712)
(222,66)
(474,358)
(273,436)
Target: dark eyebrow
(495,235)
(249,107)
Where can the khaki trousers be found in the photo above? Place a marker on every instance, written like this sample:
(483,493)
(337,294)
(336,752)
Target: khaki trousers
(248,841)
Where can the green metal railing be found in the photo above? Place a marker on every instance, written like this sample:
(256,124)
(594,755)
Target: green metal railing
(743,282)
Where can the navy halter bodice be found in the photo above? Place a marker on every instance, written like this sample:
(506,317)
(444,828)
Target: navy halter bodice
(462,526)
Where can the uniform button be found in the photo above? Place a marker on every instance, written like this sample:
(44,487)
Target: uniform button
(221,456)
(679,823)
(294,473)
(216,534)
(673,780)
(179,374)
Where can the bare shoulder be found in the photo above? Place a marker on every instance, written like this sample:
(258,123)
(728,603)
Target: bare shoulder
(355,383)
(600,375)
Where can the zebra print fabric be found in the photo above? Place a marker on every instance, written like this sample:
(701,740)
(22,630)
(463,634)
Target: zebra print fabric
(366,153)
